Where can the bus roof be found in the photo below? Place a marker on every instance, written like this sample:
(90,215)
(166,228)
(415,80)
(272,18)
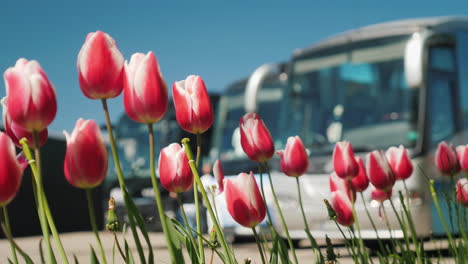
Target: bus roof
(387,29)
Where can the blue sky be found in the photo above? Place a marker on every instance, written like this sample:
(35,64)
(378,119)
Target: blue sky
(222,41)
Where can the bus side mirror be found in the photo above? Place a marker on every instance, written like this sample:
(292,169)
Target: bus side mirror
(415,59)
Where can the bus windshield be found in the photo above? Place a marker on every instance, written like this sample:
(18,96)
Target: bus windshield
(356,93)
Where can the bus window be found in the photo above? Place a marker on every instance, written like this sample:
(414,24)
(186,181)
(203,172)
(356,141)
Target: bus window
(462,55)
(441,78)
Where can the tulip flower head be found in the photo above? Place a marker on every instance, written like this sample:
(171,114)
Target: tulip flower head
(145,92)
(10,170)
(380,195)
(462,156)
(16,132)
(219,175)
(379,171)
(344,163)
(400,162)
(30,96)
(343,208)
(360,182)
(446,159)
(338,184)
(194,112)
(244,201)
(294,158)
(86,156)
(174,170)
(256,139)
(462,191)
(100,67)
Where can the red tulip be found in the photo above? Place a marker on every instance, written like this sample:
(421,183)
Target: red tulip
(174,170)
(360,182)
(10,170)
(30,96)
(338,184)
(343,208)
(16,132)
(446,159)
(462,191)
(219,175)
(380,195)
(294,158)
(400,162)
(100,67)
(379,171)
(256,139)
(344,162)
(192,103)
(244,201)
(86,157)
(463,157)
(145,92)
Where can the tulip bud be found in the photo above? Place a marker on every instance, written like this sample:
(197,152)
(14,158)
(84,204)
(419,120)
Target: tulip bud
(344,163)
(446,159)
(16,132)
(360,182)
(338,184)
(86,157)
(463,157)
(462,191)
(10,170)
(219,175)
(194,112)
(294,159)
(256,139)
(100,67)
(112,223)
(145,92)
(343,208)
(30,96)
(399,162)
(379,171)
(244,201)
(380,195)
(174,169)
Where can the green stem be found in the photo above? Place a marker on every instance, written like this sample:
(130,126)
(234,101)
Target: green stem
(390,229)
(157,194)
(347,241)
(40,189)
(269,222)
(121,180)
(228,253)
(8,234)
(257,239)
(122,254)
(403,227)
(457,208)
(372,223)
(283,222)
(442,218)
(92,218)
(184,217)
(196,188)
(38,199)
(356,221)
(412,229)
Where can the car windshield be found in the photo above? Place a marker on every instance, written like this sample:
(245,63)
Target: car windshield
(356,93)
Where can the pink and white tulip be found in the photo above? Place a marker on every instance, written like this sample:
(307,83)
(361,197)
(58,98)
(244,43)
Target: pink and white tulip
(462,156)
(244,201)
(400,162)
(343,208)
(344,162)
(30,96)
(194,111)
(338,184)
(446,159)
(145,94)
(360,182)
(86,157)
(174,170)
(294,158)
(11,171)
(256,139)
(100,67)
(219,175)
(379,171)
(462,191)
(380,195)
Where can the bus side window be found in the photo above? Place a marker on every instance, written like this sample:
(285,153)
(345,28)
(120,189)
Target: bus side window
(441,92)
(462,63)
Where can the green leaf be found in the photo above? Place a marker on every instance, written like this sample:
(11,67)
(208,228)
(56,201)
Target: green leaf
(128,254)
(9,261)
(174,240)
(93,257)
(315,247)
(274,253)
(282,250)
(75,259)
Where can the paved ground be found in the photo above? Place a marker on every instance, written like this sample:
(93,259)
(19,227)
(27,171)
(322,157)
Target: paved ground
(78,244)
